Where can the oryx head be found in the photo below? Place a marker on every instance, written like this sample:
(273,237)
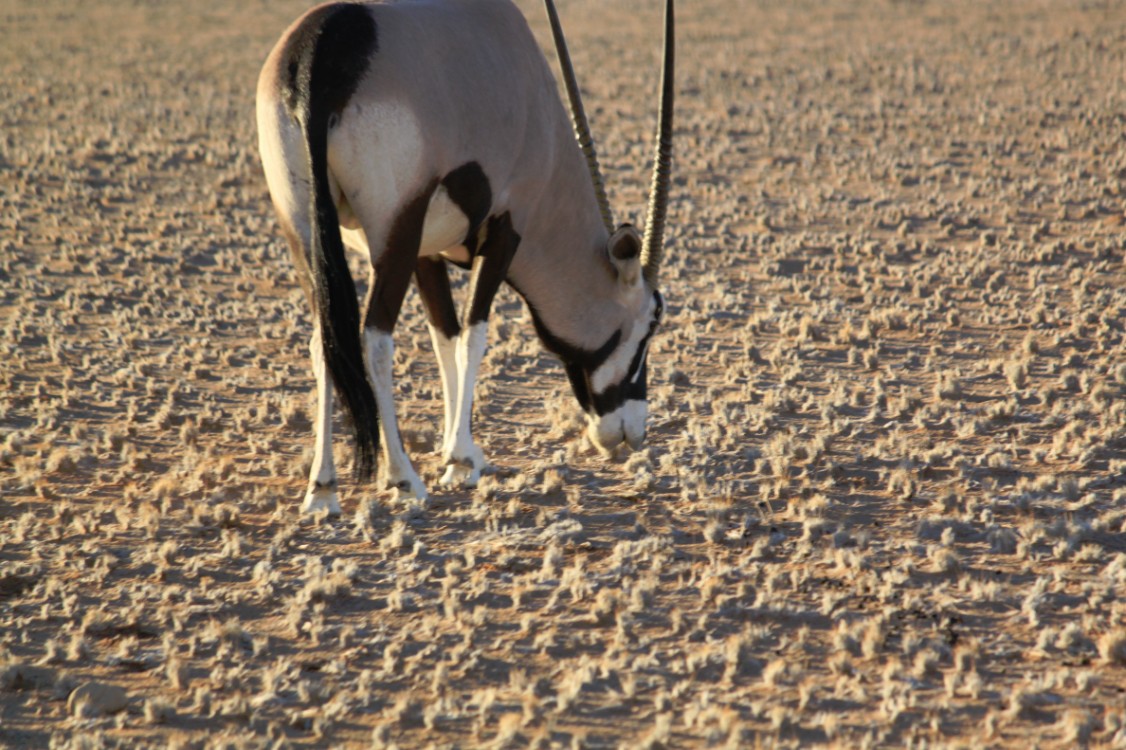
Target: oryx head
(610,384)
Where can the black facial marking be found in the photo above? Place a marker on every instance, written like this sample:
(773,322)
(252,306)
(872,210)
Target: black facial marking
(469,189)
(434,288)
(580,363)
(634,386)
(580,384)
(630,389)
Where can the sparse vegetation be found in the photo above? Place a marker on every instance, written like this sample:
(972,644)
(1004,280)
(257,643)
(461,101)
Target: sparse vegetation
(882,502)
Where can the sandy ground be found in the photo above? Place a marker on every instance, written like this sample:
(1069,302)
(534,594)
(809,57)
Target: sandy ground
(883,503)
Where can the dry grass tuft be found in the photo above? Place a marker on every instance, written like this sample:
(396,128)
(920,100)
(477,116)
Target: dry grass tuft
(880,502)
(1112,647)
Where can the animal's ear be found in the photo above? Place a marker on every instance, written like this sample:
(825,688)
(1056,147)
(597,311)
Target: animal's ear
(624,249)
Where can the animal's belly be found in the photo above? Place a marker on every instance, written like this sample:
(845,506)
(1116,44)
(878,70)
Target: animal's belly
(445,229)
(445,226)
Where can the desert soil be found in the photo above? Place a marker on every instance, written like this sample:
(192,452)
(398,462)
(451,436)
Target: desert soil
(883,502)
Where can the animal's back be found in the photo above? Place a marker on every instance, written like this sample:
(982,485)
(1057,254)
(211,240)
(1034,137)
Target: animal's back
(448,82)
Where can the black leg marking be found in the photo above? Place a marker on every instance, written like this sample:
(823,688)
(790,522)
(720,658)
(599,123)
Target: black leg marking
(469,189)
(434,288)
(392,272)
(491,267)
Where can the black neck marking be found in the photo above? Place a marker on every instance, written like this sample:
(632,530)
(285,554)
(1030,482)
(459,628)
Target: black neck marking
(490,267)
(567,352)
(589,360)
(579,364)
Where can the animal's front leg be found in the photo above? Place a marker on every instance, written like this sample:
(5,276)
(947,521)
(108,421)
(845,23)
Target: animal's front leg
(434,288)
(464,459)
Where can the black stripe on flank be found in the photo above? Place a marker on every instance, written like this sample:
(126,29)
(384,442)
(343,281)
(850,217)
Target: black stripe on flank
(491,267)
(469,189)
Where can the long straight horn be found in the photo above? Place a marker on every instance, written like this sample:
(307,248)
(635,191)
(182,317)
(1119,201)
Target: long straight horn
(578,117)
(652,245)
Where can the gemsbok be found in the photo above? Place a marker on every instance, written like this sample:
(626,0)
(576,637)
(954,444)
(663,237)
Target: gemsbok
(430,132)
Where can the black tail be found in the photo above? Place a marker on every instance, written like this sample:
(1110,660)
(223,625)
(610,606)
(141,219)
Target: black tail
(327,58)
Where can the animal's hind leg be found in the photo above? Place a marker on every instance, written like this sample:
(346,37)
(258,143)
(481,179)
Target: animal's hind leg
(434,288)
(391,275)
(321,495)
(464,460)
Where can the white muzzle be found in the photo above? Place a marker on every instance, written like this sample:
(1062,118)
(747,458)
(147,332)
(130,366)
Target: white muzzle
(626,423)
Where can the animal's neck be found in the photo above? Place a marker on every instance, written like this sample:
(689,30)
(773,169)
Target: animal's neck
(570,286)
(561,267)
